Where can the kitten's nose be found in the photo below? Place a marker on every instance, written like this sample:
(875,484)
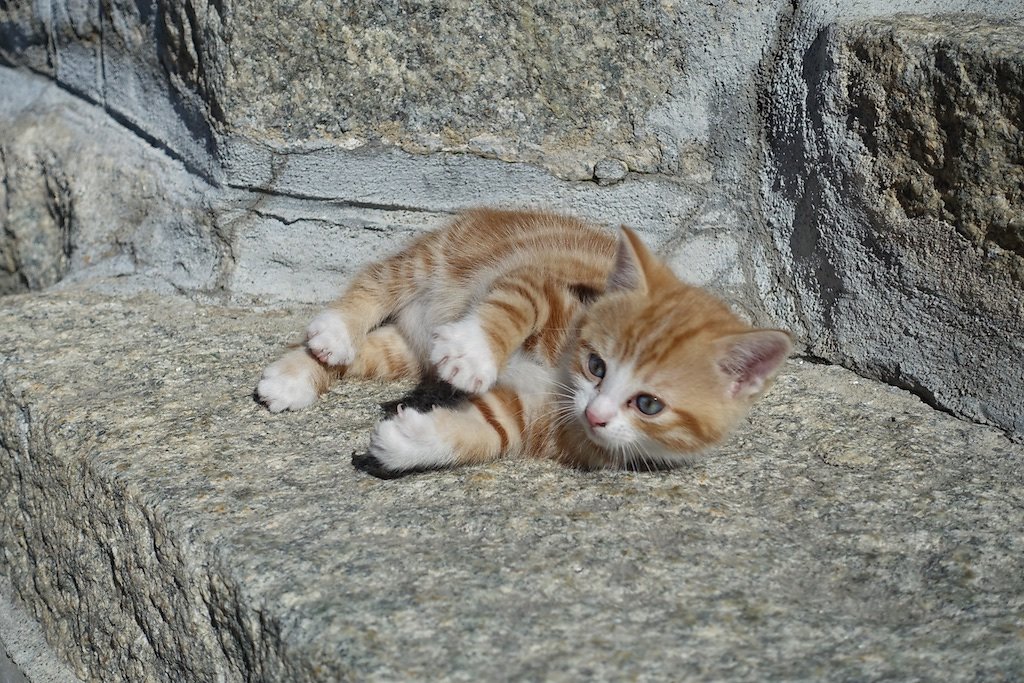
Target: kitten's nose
(594,419)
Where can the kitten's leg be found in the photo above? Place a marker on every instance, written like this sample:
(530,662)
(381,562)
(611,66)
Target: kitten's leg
(484,428)
(469,353)
(376,292)
(296,379)
(384,354)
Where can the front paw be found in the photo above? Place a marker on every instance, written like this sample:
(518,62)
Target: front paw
(462,356)
(407,442)
(328,339)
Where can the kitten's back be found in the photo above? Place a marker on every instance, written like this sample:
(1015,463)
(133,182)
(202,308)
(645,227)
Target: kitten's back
(484,240)
(485,252)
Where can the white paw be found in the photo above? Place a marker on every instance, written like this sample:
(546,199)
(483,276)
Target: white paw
(462,356)
(286,385)
(409,441)
(328,339)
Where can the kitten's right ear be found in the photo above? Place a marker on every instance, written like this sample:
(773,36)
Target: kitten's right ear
(629,272)
(751,359)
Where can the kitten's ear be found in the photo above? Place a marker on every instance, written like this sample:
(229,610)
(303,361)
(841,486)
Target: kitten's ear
(751,359)
(632,264)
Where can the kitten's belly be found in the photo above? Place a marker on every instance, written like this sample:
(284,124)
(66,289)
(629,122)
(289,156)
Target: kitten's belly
(529,377)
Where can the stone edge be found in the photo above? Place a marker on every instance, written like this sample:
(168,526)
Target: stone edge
(25,656)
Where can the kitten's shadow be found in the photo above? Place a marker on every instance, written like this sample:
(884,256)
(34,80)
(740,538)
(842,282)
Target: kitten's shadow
(427,395)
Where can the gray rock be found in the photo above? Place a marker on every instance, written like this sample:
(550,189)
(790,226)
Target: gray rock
(25,656)
(608,171)
(895,192)
(936,105)
(162,525)
(81,196)
(126,58)
(36,216)
(558,84)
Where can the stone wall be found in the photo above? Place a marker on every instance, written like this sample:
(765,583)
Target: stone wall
(854,176)
(82,197)
(895,187)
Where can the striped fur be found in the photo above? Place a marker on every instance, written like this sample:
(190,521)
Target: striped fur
(519,309)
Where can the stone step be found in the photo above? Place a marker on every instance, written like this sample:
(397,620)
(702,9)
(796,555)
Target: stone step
(161,525)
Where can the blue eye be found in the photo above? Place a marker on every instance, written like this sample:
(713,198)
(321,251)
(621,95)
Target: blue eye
(596,366)
(648,405)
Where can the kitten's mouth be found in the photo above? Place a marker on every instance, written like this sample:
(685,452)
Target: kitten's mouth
(592,434)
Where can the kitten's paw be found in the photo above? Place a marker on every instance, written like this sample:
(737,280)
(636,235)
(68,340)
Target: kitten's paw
(328,339)
(408,441)
(462,356)
(286,385)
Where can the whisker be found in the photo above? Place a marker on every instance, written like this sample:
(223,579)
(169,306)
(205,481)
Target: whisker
(562,419)
(636,457)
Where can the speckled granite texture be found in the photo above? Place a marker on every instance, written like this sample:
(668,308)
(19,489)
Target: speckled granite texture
(162,526)
(556,82)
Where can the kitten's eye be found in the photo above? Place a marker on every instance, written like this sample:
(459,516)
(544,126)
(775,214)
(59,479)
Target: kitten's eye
(596,366)
(648,405)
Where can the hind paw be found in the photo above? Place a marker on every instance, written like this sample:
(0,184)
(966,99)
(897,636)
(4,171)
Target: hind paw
(328,339)
(287,385)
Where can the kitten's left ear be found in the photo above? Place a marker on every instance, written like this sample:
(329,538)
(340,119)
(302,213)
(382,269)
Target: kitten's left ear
(751,359)
(633,263)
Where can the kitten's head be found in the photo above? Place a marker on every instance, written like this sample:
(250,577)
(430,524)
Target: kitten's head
(661,369)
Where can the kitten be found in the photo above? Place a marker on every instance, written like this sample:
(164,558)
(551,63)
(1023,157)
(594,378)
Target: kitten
(570,344)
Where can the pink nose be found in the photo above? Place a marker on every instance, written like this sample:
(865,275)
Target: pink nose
(594,419)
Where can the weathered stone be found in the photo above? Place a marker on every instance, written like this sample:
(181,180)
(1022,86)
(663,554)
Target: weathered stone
(117,54)
(608,171)
(193,46)
(24,37)
(81,196)
(895,188)
(164,526)
(555,83)
(937,106)
(559,85)
(133,463)
(25,656)
(36,220)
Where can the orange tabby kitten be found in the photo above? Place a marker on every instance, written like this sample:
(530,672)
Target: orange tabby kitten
(570,344)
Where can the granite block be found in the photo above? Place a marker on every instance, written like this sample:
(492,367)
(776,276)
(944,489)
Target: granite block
(164,526)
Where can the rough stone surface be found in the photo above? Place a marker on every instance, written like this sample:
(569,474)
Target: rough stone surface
(25,656)
(557,84)
(842,168)
(35,212)
(937,105)
(894,186)
(164,525)
(80,195)
(534,81)
(124,57)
